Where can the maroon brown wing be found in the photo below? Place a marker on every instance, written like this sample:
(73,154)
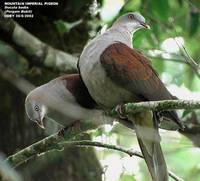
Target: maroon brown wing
(130,69)
(75,85)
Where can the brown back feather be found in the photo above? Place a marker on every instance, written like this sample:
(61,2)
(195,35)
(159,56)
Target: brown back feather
(76,86)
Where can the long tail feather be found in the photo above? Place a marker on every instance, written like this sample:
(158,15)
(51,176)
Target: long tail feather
(146,128)
(172,116)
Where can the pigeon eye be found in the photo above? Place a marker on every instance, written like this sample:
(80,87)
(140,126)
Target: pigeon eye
(37,108)
(131,16)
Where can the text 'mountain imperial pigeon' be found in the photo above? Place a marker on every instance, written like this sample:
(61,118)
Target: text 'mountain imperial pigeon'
(114,73)
(64,99)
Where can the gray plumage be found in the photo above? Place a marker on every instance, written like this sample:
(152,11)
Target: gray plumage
(64,99)
(110,82)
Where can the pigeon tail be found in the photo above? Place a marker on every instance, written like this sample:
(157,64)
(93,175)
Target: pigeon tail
(146,127)
(172,116)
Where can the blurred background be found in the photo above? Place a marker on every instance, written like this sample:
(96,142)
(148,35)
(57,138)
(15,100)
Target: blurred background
(172,44)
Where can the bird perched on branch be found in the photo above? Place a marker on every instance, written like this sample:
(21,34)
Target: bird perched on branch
(115,73)
(64,99)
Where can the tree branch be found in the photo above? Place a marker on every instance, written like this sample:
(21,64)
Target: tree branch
(34,49)
(160,54)
(57,142)
(52,141)
(12,77)
(160,105)
(49,143)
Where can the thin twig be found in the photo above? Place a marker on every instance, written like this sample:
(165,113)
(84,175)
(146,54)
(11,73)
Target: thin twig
(114,147)
(190,61)
(47,144)
(102,145)
(187,58)
(193,6)
(160,54)
(87,143)
(175,177)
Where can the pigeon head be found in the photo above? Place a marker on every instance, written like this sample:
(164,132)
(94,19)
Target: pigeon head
(35,110)
(132,20)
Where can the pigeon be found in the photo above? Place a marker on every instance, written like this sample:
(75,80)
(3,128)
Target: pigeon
(115,73)
(64,99)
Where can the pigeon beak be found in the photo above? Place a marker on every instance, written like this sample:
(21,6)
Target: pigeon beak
(145,25)
(40,123)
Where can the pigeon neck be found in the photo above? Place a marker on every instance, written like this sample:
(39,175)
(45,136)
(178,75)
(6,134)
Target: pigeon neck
(123,27)
(124,32)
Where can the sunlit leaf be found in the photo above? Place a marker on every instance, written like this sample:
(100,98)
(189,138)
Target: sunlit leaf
(188,77)
(127,178)
(130,5)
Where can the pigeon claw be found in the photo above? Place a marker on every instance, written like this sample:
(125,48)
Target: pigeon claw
(119,110)
(61,132)
(74,126)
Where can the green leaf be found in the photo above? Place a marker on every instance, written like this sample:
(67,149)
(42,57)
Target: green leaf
(160,9)
(186,112)
(61,27)
(98,132)
(193,22)
(188,77)
(64,27)
(195,83)
(131,5)
(126,177)
(180,2)
(137,38)
(195,3)
(159,65)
